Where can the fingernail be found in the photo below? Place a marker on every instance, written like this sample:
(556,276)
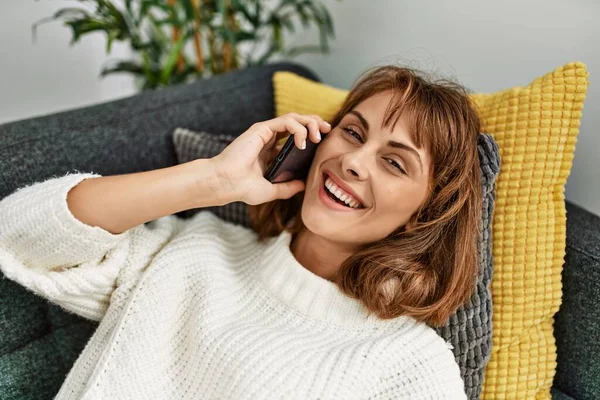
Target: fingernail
(328,124)
(303,144)
(319,136)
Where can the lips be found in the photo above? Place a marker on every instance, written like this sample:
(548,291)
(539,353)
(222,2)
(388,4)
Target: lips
(338,182)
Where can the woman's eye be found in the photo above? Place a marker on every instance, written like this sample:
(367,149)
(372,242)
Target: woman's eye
(357,136)
(396,165)
(353,134)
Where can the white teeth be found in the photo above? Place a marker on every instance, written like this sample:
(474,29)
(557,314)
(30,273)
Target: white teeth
(343,196)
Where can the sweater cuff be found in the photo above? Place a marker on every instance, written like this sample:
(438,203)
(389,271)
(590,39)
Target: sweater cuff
(71,225)
(37,227)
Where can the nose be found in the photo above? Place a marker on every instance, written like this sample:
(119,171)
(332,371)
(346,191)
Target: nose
(354,164)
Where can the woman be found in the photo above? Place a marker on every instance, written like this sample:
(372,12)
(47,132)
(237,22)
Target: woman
(330,296)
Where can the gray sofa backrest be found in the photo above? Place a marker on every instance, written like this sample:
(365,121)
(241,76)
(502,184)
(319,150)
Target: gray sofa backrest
(36,149)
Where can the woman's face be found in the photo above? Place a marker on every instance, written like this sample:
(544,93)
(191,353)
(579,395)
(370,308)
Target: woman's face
(385,173)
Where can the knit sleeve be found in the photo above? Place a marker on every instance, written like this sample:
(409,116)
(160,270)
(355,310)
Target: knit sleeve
(47,250)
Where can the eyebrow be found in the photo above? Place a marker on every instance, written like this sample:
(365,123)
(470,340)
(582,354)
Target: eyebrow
(391,143)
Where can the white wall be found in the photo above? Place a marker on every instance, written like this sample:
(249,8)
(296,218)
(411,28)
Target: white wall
(49,75)
(488,45)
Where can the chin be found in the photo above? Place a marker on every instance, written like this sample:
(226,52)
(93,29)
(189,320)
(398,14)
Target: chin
(316,222)
(323,222)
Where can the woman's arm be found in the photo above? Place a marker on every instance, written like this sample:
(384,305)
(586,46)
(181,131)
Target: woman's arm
(63,222)
(46,249)
(120,202)
(75,239)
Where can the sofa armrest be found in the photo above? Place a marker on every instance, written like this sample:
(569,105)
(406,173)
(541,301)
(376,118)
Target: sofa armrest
(134,134)
(577,323)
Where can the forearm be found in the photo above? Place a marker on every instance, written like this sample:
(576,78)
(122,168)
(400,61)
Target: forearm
(120,202)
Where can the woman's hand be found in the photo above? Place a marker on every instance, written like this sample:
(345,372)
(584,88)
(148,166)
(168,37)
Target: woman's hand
(241,166)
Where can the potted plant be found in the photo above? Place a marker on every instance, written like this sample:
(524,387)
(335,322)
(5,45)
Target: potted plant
(174,41)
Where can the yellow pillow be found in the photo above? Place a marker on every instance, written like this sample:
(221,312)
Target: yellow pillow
(536,129)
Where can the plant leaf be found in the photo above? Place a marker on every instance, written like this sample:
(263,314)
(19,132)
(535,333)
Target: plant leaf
(111,35)
(257,12)
(156,32)
(277,37)
(71,12)
(146,5)
(323,17)
(239,6)
(323,39)
(112,13)
(328,22)
(169,21)
(287,23)
(84,26)
(189,9)
(63,13)
(151,76)
(172,59)
(182,76)
(303,15)
(122,66)
(241,36)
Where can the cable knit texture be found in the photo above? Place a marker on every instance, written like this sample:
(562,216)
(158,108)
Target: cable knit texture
(199,308)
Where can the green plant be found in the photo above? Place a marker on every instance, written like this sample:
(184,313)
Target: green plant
(173,41)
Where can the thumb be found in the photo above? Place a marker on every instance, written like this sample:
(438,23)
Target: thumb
(285,190)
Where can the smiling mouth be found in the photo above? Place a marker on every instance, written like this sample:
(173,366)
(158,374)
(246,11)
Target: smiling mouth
(344,199)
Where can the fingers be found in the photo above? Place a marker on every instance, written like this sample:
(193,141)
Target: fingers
(303,127)
(300,132)
(315,124)
(313,129)
(324,126)
(285,190)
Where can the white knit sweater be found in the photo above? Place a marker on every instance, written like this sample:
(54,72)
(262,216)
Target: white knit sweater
(199,309)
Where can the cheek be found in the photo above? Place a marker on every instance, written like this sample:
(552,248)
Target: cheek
(402,199)
(327,150)
(330,146)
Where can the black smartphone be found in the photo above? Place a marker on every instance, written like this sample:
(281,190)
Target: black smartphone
(291,162)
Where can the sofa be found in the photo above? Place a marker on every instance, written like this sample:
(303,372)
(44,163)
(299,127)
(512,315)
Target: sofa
(39,342)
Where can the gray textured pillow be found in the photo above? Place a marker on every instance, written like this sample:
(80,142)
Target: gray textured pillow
(469,330)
